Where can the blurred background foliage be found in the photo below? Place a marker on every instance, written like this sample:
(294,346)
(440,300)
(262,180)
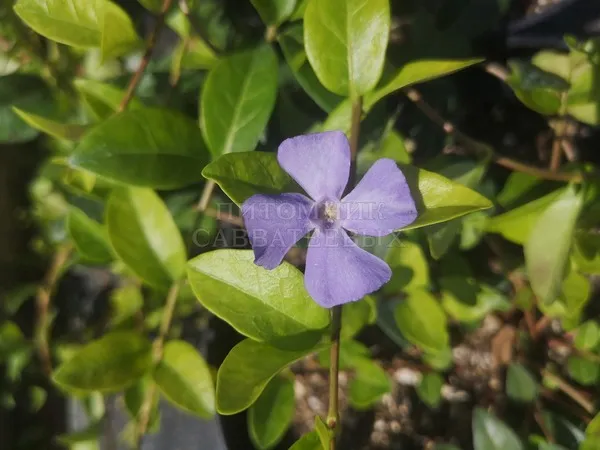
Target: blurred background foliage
(487,336)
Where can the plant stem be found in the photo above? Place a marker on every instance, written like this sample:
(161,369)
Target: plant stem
(503,161)
(207,192)
(157,353)
(336,312)
(152,39)
(43,300)
(559,134)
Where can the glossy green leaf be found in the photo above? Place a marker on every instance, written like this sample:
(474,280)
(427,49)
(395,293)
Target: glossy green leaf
(416,72)
(274,12)
(292,45)
(439,199)
(125,301)
(81,23)
(266,305)
(310,441)
(323,431)
(151,5)
(430,389)
(148,147)
(144,236)
(345,42)
(241,175)
(237,99)
(272,413)
(571,302)
(520,384)
(184,378)
(27,92)
(108,364)
(67,131)
(241,380)
(102,99)
(516,225)
(92,433)
(422,321)
(547,248)
(592,435)
(89,237)
(410,269)
(588,335)
(490,433)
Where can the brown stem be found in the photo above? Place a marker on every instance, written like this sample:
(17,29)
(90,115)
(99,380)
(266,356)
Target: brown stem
(225,217)
(207,192)
(503,161)
(43,300)
(152,39)
(559,134)
(570,391)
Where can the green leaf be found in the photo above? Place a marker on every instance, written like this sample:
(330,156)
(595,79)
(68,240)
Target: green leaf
(67,131)
(89,237)
(439,199)
(144,236)
(516,225)
(247,369)
(81,23)
(148,147)
(237,100)
(369,384)
(241,175)
(430,389)
(586,252)
(357,315)
(410,269)
(583,370)
(274,12)
(152,5)
(102,99)
(468,301)
(272,413)
(416,72)
(537,89)
(292,46)
(345,42)
(125,302)
(266,305)
(134,398)
(490,433)
(592,435)
(108,364)
(26,92)
(92,433)
(588,335)
(547,248)
(185,379)
(310,441)
(422,321)
(520,384)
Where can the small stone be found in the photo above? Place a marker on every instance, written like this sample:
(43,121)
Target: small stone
(407,377)
(314,404)
(380,425)
(450,393)
(299,389)
(395,426)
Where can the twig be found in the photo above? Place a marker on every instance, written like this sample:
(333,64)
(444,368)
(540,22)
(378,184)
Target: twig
(43,299)
(157,353)
(225,217)
(152,39)
(503,161)
(570,391)
(559,134)
(497,70)
(539,419)
(207,192)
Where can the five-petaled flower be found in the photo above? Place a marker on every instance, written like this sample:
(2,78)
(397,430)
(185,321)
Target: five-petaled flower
(337,270)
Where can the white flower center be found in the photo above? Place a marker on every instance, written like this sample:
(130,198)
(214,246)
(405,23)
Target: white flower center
(328,212)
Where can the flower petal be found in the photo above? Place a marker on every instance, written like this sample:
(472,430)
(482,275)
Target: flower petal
(320,163)
(275,223)
(338,271)
(380,203)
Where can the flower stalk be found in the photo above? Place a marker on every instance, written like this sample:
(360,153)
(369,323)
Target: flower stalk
(336,311)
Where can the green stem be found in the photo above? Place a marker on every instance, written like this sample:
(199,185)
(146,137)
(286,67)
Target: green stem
(336,311)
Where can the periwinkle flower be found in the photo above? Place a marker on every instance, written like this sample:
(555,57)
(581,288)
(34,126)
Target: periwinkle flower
(337,270)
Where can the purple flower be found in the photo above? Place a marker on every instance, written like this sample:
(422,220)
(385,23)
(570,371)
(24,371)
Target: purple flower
(337,270)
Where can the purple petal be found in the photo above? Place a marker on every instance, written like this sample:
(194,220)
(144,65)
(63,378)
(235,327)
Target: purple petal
(320,163)
(380,203)
(338,271)
(275,223)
